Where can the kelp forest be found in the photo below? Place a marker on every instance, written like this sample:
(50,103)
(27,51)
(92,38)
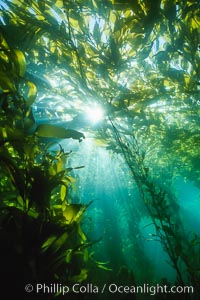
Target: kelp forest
(100,149)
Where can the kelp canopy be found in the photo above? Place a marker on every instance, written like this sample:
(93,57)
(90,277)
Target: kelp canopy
(139,60)
(136,60)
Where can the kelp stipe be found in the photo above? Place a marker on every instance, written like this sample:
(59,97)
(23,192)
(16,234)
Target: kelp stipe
(160,203)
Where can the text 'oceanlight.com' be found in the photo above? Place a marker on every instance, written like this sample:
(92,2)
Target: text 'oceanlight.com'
(112,288)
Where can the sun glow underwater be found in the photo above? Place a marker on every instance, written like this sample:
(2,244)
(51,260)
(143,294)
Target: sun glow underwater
(95,114)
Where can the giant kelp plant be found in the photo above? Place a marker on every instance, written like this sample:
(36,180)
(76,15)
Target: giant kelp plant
(41,236)
(139,61)
(161,207)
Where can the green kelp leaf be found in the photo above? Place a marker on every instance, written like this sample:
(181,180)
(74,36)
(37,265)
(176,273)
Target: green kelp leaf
(59,165)
(59,3)
(104,268)
(20,62)
(100,264)
(52,131)
(32,93)
(71,213)
(48,242)
(3,43)
(69,254)
(31,149)
(112,17)
(81,277)
(6,85)
(63,192)
(81,234)
(56,244)
(76,135)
